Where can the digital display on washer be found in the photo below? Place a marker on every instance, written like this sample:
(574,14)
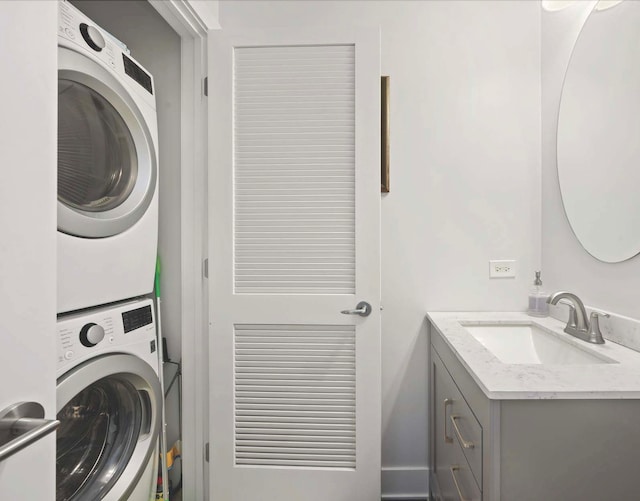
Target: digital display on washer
(137,73)
(134,319)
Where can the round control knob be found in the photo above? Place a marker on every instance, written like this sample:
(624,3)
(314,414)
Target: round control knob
(91,335)
(93,37)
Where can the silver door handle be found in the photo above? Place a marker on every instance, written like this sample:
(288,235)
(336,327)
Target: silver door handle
(362,308)
(21,425)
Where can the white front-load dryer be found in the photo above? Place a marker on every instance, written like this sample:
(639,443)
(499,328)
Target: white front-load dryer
(109,404)
(107,168)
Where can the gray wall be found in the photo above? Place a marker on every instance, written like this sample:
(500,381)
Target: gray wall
(565,263)
(157,47)
(465,177)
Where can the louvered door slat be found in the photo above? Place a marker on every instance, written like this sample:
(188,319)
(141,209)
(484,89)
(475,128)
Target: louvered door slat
(279,392)
(294,149)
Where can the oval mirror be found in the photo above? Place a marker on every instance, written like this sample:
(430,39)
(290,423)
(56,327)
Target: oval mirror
(598,141)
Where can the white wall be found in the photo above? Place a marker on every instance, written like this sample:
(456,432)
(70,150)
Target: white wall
(465,177)
(566,264)
(157,47)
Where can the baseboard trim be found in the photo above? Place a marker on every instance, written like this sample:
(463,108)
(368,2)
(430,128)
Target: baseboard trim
(405,483)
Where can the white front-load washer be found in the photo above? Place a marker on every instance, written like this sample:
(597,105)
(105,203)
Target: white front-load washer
(107,168)
(109,404)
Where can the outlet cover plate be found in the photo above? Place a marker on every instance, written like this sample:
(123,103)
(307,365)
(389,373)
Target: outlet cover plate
(502,268)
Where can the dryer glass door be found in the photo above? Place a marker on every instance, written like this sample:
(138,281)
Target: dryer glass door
(106,149)
(98,433)
(97,162)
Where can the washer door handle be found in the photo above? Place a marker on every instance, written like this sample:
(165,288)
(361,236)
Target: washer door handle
(21,425)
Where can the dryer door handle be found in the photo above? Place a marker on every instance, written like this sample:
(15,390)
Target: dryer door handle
(21,425)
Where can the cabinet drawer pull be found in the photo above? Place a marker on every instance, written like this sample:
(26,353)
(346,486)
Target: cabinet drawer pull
(453,470)
(447,438)
(465,443)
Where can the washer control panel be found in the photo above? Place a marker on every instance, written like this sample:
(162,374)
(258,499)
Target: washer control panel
(89,333)
(134,319)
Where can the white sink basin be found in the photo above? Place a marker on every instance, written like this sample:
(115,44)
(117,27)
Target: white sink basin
(529,344)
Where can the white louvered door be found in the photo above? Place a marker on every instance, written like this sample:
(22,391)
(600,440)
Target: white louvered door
(294,123)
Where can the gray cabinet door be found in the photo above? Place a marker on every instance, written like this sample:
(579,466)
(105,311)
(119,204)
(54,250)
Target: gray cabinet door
(453,474)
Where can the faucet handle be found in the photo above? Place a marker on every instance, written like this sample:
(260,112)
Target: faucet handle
(595,335)
(572,323)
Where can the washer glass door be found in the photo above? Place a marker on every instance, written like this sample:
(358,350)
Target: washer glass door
(98,433)
(97,162)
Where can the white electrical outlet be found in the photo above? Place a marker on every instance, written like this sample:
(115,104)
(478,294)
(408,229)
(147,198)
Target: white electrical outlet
(505,268)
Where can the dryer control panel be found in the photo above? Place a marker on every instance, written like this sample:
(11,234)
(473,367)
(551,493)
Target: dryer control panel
(127,327)
(73,26)
(78,31)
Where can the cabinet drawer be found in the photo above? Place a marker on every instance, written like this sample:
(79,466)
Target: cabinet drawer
(459,426)
(462,485)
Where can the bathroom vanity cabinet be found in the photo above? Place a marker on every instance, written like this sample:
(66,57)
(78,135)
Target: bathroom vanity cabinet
(526,448)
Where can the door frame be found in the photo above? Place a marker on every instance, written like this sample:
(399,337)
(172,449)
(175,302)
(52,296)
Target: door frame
(193,30)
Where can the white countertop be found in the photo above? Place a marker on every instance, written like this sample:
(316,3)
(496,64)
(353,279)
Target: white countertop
(502,381)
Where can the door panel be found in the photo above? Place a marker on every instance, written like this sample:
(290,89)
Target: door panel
(295,214)
(28,230)
(294,122)
(295,395)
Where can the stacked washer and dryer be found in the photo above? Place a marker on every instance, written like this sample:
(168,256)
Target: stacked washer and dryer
(109,396)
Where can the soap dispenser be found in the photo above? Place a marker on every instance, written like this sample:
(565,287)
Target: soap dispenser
(538,306)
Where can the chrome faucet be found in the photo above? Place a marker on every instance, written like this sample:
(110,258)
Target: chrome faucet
(577,325)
